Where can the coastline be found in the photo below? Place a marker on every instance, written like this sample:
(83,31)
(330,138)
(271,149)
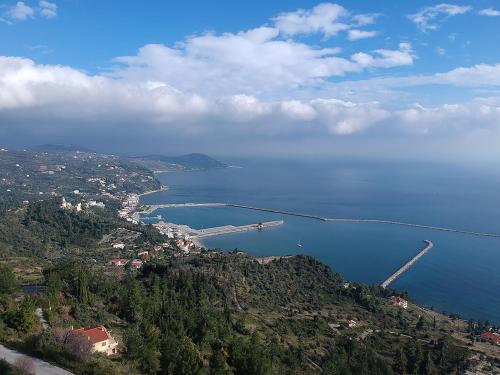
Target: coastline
(424,298)
(162,188)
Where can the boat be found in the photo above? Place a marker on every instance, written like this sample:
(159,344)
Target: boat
(299,244)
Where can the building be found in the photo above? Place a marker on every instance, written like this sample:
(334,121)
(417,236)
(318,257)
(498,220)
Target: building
(351,323)
(118,245)
(100,338)
(492,337)
(136,263)
(143,254)
(119,262)
(398,301)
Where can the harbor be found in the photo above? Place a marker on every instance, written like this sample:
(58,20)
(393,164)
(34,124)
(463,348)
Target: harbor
(152,208)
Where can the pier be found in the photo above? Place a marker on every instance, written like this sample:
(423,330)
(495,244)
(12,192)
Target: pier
(152,208)
(228,229)
(165,228)
(407,265)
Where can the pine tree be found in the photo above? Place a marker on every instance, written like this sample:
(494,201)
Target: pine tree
(400,362)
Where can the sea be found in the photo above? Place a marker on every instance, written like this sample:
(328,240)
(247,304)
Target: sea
(460,275)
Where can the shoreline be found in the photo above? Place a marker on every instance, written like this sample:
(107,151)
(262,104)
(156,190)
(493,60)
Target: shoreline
(162,188)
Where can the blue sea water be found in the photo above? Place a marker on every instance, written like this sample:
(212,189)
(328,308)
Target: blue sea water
(460,274)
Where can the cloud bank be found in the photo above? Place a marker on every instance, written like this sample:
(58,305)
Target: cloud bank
(263,85)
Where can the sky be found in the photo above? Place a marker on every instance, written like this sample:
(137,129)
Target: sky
(394,79)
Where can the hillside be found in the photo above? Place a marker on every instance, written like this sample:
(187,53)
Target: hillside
(162,163)
(60,148)
(34,175)
(232,313)
(201,312)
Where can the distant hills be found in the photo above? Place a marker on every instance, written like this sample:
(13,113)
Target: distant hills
(53,148)
(154,162)
(162,163)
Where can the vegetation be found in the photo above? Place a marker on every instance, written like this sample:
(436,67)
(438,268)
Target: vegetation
(175,163)
(213,313)
(228,313)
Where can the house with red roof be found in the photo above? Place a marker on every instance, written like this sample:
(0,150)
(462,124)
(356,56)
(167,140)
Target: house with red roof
(136,263)
(398,301)
(119,262)
(100,338)
(491,337)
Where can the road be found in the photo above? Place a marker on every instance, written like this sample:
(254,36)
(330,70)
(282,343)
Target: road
(41,367)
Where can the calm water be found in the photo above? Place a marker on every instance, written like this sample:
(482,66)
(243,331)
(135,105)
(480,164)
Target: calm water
(460,274)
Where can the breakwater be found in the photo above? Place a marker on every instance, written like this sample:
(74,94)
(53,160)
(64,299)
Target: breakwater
(407,265)
(152,208)
(228,229)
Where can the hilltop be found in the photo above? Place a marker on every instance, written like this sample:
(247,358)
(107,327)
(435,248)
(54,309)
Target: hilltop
(56,148)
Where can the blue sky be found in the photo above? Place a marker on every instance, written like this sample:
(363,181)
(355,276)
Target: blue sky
(356,77)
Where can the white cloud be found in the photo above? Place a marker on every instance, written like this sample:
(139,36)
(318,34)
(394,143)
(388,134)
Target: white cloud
(18,12)
(451,118)
(355,34)
(397,89)
(345,118)
(63,96)
(254,62)
(383,58)
(364,19)
(235,85)
(22,12)
(327,19)
(428,18)
(47,9)
(324,18)
(477,75)
(490,12)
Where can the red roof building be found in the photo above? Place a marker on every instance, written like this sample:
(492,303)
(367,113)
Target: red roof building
(398,301)
(492,337)
(119,262)
(100,338)
(136,263)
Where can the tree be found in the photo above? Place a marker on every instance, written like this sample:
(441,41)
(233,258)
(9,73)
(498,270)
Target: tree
(249,357)
(427,366)
(420,324)
(400,362)
(218,365)
(23,317)
(188,359)
(77,345)
(142,347)
(8,282)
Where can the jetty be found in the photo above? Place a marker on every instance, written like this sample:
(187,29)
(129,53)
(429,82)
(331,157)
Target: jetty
(289,213)
(228,229)
(185,230)
(407,265)
(151,208)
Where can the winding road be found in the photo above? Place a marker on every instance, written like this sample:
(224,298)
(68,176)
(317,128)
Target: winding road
(41,367)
